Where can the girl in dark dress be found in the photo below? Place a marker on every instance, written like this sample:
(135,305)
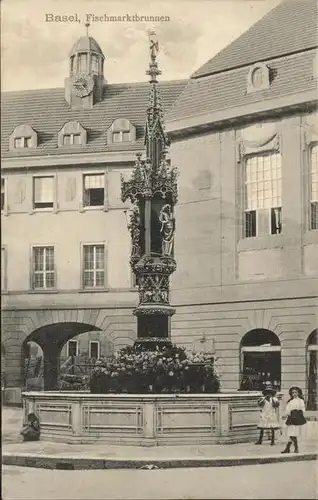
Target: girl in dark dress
(294,413)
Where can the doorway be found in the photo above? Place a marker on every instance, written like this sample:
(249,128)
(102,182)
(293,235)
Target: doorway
(312,380)
(260,360)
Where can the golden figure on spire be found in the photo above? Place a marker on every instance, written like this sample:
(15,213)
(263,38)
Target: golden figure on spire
(153,70)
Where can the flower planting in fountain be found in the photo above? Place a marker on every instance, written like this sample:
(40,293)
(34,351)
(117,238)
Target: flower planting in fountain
(168,370)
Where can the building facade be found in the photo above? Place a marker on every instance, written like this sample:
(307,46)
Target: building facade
(65,242)
(244,136)
(244,132)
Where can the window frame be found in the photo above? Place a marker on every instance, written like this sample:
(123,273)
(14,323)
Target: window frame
(121,135)
(103,287)
(95,59)
(71,135)
(133,281)
(79,58)
(54,181)
(98,349)
(68,347)
(259,211)
(94,173)
(4,209)
(26,140)
(4,262)
(312,145)
(32,277)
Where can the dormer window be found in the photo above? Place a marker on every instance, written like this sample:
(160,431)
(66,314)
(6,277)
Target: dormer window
(72,134)
(22,137)
(121,130)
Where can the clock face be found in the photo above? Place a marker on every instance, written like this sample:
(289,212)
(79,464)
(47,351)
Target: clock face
(83,85)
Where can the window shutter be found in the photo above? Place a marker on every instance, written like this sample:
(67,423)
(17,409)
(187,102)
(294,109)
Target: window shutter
(276,220)
(263,222)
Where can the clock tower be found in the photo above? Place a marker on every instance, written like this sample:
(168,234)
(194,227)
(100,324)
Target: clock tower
(85,83)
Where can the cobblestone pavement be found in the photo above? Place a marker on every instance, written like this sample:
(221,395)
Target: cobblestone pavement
(272,481)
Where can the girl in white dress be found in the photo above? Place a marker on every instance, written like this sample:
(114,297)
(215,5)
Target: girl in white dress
(269,414)
(294,413)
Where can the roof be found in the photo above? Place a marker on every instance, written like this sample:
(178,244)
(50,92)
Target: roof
(288,28)
(222,91)
(46,111)
(86,44)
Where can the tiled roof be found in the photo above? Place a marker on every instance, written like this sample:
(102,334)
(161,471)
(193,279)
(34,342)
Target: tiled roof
(46,111)
(226,90)
(288,28)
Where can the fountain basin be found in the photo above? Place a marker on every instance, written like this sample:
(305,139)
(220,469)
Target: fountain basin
(144,419)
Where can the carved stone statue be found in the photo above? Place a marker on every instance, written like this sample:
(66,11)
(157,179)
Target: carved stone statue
(134,228)
(167,229)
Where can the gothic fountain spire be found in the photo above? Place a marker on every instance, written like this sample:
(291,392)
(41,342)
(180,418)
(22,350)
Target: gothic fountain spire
(156,140)
(152,190)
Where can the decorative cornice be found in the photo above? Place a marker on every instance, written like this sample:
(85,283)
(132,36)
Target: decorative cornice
(16,162)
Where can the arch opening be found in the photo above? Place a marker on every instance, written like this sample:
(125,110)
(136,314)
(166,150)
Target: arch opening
(41,354)
(312,365)
(260,360)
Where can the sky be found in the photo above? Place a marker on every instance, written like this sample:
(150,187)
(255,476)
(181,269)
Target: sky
(35,52)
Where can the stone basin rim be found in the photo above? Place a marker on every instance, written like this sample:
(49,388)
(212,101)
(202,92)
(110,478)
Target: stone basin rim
(84,394)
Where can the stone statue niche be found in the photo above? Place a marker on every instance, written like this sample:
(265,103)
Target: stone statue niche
(162,228)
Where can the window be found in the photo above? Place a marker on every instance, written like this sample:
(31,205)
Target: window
(94,266)
(22,142)
(72,64)
(3,268)
(134,280)
(94,349)
(72,139)
(121,130)
(94,63)
(72,134)
(314,188)
(3,192)
(263,210)
(82,63)
(93,195)
(43,192)
(121,136)
(72,348)
(43,268)
(258,78)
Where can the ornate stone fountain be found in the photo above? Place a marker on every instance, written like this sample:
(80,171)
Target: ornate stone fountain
(148,419)
(152,191)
